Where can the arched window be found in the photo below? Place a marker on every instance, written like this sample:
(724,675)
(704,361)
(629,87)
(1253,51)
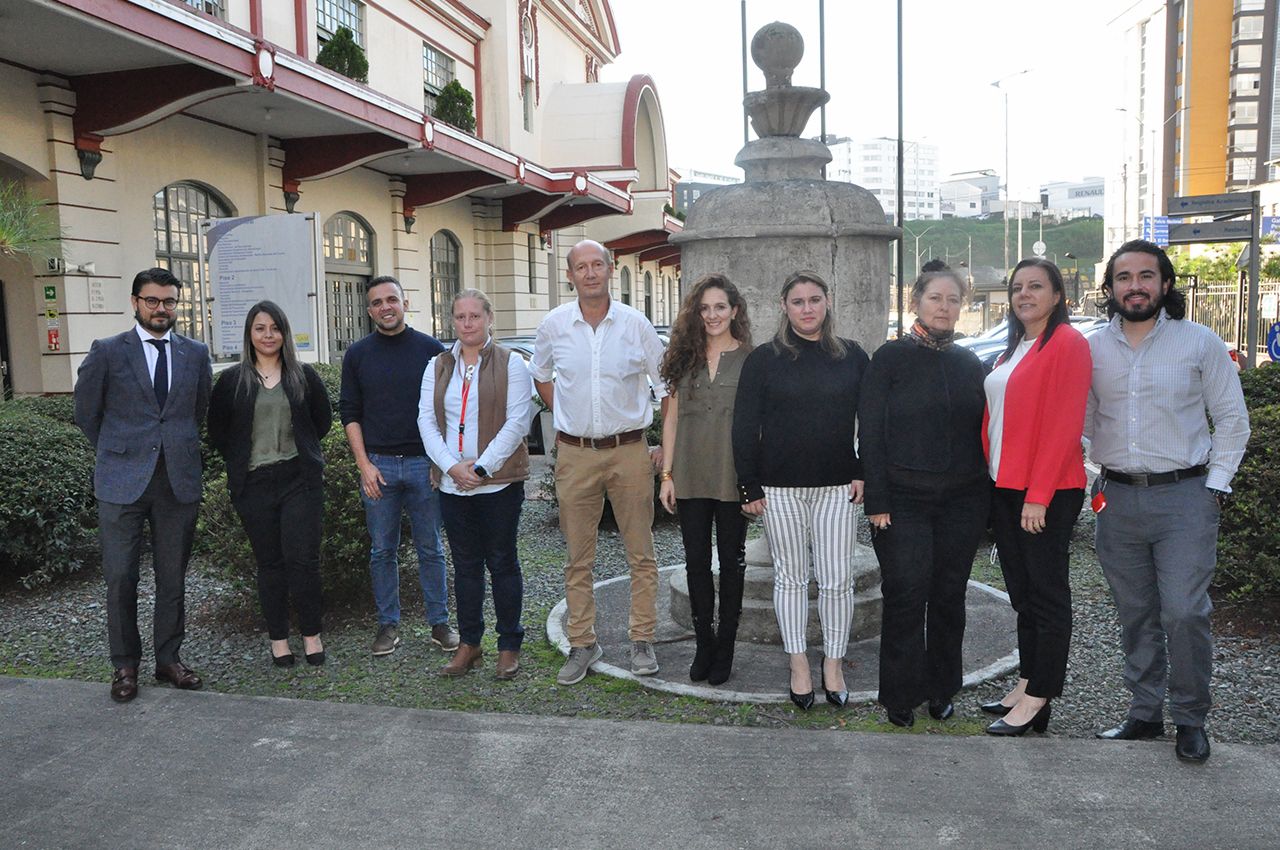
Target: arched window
(178,209)
(348,266)
(624,284)
(648,295)
(446,281)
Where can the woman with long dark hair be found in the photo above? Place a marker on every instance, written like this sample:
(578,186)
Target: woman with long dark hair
(927,496)
(795,453)
(1036,398)
(473,414)
(710,341)
(266,417)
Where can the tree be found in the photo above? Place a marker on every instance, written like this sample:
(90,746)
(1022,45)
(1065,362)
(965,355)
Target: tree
(456,106)
(343,55)
(27,228)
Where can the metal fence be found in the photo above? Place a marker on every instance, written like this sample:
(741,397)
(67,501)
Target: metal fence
(1221,305)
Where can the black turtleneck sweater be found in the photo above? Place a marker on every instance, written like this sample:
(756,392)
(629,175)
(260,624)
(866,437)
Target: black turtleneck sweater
(794,420)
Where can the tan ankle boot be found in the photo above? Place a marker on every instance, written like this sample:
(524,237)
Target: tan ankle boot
(466,658)
(508,664)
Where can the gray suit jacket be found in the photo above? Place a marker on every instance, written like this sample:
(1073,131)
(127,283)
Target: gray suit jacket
(116,408)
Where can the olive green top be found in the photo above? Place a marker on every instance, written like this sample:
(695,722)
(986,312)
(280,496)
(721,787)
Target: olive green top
(272,428)
(703,463)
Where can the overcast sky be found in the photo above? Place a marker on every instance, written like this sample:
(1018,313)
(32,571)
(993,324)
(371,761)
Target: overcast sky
(1060,112)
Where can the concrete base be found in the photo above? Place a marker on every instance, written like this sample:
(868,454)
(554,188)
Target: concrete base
(760,672)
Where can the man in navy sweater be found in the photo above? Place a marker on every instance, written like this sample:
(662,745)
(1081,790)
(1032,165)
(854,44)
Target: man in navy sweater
(381,382)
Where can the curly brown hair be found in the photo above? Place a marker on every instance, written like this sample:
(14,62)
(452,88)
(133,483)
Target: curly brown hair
(687,351)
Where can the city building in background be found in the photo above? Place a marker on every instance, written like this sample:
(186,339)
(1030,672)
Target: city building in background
(873,165)
(1079,199)
(970,194)
(138,119)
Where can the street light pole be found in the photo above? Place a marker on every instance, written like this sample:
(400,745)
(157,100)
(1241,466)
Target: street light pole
(999,84)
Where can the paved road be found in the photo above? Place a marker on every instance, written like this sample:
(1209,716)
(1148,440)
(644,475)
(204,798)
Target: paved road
(194,770)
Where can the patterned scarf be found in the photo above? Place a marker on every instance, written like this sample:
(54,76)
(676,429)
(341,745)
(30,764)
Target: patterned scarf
(927,338)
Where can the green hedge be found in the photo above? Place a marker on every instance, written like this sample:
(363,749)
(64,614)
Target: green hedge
(1249,545)
(1261,386)
(47,510)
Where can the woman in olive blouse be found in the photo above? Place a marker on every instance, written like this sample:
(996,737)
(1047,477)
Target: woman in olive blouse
(266,417)
(709,342)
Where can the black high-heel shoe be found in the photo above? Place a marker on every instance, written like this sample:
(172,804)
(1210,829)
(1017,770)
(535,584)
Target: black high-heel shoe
(997,708)
(804,702)
(315,659)
(1039,723)
(283,660)
(837,698)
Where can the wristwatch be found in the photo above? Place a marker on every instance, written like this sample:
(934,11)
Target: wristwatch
(481,471)
(1221,495)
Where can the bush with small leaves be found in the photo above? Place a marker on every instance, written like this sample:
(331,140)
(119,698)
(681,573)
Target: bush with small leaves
(1249,545)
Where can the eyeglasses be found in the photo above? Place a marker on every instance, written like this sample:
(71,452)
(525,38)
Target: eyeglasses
(152,302)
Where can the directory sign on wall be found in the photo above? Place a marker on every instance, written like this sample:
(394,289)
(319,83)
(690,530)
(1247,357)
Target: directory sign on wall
(263,257)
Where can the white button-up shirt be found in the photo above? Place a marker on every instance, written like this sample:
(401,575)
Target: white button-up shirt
(1147,403)
(603,376)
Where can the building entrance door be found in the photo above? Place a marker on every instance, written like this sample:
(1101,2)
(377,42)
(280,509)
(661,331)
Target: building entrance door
(348,318)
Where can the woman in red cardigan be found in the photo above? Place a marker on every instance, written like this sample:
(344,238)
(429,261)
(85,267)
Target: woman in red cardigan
(1036,399)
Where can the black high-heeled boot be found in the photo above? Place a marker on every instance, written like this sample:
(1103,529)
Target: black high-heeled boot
(722,666)
(705,654)
(731,581)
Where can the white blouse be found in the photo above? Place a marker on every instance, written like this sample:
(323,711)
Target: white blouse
(995,385)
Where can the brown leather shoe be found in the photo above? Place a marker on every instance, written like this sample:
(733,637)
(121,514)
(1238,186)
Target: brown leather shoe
(508,664)
(180,676)
(466,658)
(124,684)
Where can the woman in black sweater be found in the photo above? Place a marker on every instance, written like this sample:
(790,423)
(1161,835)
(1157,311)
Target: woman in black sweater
(795,454)
(927,496)
(266,417)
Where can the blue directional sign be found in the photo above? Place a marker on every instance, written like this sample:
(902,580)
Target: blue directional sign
(1156,229)
(1273,343)
(1270,225)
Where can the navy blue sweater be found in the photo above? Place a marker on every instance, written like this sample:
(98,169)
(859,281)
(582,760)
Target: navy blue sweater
(381,382)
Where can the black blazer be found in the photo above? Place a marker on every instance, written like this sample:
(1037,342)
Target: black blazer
(230,423)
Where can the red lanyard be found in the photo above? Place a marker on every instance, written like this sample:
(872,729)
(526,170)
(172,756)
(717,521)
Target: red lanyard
(466,391)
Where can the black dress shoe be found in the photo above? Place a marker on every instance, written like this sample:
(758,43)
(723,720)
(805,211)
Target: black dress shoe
(906,718)
(1039,723)
(315,659)
(124,684)
(1193,743)
(997,708)
(837,698)
(179,675)
(804,702)
(1133,729)
(284,660)
(941,709)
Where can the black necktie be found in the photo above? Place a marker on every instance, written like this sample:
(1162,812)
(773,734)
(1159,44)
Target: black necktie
(162,372)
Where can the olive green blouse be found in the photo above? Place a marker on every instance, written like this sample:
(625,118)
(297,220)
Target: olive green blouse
(703,463)
(272,428)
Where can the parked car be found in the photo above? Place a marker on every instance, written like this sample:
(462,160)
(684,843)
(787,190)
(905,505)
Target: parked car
(989,346)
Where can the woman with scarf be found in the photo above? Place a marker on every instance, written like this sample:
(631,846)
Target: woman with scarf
(927,496)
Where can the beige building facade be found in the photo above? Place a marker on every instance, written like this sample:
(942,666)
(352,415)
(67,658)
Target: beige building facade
(138,119)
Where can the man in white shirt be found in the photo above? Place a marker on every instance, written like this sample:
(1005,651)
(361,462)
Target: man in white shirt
(604,356)
(1164,479)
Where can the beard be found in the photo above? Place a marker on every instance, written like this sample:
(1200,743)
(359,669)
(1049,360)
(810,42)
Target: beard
(156,323)
(1138,314)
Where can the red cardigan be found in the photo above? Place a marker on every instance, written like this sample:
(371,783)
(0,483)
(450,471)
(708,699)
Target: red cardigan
(1044,406)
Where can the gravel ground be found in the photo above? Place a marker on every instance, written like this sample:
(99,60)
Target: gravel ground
(60,632)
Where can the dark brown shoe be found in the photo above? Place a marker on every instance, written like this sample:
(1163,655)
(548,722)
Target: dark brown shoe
(180,676)
(124,684)
(508,664)
(466,658)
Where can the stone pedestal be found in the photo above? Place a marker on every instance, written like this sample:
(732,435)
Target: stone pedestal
(759,623)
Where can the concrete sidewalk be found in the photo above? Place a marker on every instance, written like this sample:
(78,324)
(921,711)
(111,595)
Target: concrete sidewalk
(195,770)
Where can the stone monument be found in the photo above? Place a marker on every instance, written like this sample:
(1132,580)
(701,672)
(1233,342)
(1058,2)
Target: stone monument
(783,218)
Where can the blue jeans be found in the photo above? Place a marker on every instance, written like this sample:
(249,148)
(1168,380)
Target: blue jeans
(408,488)
(482,535)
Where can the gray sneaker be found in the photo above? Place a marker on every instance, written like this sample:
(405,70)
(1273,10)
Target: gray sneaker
(643,661)
(444,637)
(387,640)
(580,660)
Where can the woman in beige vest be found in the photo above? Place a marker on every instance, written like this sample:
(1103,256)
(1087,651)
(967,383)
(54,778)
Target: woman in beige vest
(474,413)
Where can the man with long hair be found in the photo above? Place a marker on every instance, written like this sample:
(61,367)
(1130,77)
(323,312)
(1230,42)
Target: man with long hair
(1163,482)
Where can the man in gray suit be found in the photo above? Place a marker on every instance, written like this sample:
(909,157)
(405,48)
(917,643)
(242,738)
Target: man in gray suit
(140,397)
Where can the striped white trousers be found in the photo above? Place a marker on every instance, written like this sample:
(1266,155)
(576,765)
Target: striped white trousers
(812,526)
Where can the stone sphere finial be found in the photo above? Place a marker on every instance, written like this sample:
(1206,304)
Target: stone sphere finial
(777,49)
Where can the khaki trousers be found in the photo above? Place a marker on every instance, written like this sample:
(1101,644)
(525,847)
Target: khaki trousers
(583,477)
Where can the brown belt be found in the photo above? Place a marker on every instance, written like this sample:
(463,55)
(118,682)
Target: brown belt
(611,442)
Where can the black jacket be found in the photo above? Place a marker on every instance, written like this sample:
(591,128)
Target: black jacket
(230,423)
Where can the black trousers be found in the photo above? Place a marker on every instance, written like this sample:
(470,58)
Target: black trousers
(926,555)
(696,519)
(281,508)
(1036,575)
(173,527)
(482,531)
